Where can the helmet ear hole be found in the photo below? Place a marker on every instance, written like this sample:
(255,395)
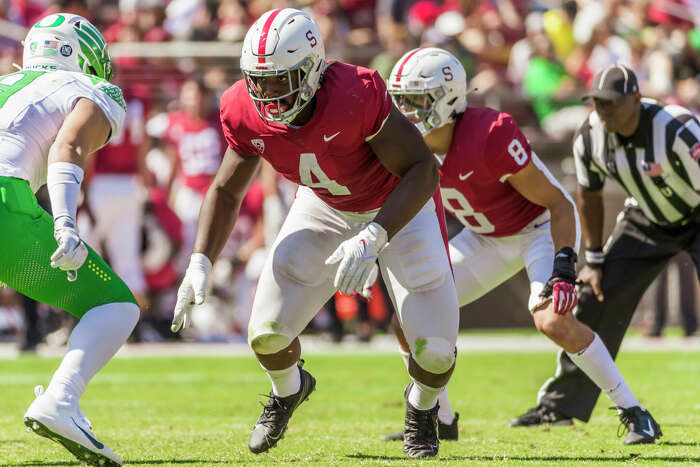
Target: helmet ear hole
(452,101)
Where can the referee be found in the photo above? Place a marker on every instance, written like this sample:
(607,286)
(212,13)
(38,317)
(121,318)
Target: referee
(653,151)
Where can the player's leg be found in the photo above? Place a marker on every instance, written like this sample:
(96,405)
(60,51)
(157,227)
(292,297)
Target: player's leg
(582,345)
(571,392)
(294,284)
(417,271)
(104,305)
(479,264)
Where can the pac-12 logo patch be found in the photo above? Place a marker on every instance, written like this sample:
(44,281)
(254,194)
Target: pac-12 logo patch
(695,151)
(66,50)
(259,145)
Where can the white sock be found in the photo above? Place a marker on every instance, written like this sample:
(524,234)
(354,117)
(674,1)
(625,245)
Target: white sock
(423,397)
(445,413)
(285,382)
(94,341)
(596,362)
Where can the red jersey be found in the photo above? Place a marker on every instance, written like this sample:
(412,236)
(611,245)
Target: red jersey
(199,148)
(330,153)
(487,147)
(120,156)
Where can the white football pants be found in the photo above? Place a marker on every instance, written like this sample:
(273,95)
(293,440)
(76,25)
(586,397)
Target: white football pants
(481,262)
(296,282)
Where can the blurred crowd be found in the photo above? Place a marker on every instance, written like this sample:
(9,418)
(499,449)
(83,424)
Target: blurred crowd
(530,58)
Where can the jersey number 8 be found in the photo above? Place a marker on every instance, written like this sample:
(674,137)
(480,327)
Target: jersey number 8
(452,196)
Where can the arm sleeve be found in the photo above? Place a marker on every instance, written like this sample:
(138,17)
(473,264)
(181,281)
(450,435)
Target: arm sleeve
(377,105)
(590,177)
(686,145)
(507,149)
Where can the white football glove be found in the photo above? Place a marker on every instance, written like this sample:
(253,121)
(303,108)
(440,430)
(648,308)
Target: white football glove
(357,257)
(371,279)
(71,252)
(192,291)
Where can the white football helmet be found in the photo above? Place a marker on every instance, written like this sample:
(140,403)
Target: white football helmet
(281,43)
(64,41)
(436,75)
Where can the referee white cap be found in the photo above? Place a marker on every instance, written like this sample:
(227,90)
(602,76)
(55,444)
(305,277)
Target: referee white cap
(613,82)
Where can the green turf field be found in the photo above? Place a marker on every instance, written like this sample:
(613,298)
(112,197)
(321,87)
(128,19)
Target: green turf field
(198,411)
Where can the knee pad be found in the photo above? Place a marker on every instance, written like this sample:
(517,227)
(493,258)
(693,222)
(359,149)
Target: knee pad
(266,343)
(434,354)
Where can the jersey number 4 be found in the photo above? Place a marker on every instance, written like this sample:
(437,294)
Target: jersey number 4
(309,168)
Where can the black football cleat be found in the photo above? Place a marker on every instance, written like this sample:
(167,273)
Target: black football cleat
(640,425)
(275,416)
(421,431)
(445,432)
(541,415)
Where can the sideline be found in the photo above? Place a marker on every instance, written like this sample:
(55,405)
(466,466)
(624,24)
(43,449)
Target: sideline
(383,344)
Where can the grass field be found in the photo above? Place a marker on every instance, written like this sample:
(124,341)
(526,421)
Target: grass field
(199,410)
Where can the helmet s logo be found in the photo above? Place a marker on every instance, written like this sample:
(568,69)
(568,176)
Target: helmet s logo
(66,50)
(311,38)
(448,73)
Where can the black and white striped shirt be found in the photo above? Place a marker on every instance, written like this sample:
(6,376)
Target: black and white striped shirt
(658,166)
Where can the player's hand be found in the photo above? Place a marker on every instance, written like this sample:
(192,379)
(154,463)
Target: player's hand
(357,257)
(371,279)
(561,286)
(71,252)
(593,277)
(192,291)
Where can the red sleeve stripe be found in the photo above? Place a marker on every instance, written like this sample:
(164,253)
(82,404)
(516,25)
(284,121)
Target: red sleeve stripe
(263,37)
(403,64)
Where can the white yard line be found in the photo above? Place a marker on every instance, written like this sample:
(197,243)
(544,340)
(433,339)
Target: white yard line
(472,343)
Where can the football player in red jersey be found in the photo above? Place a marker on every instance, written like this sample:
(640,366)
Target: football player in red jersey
(367,190)
(515,212)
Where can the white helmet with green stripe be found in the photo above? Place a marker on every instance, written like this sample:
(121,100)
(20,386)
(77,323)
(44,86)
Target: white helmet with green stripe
(66,42)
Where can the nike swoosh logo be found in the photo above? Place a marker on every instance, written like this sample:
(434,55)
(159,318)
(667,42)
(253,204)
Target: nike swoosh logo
(96,443)
(650,431)
(465,176)
(537,226)
(328,138)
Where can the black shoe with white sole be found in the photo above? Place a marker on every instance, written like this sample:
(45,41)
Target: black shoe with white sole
(640,425)
(445,432)
(275,416)
(421,431)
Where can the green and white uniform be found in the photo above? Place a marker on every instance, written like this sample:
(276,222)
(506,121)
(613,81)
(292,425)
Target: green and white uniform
(33,106)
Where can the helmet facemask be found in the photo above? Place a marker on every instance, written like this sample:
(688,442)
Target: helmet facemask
(421,112)
(276,109)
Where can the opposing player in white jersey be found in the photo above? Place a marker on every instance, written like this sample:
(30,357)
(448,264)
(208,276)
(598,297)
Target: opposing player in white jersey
(516,216)
(59,108)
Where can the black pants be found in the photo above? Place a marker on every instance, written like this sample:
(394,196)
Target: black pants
(638,252)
